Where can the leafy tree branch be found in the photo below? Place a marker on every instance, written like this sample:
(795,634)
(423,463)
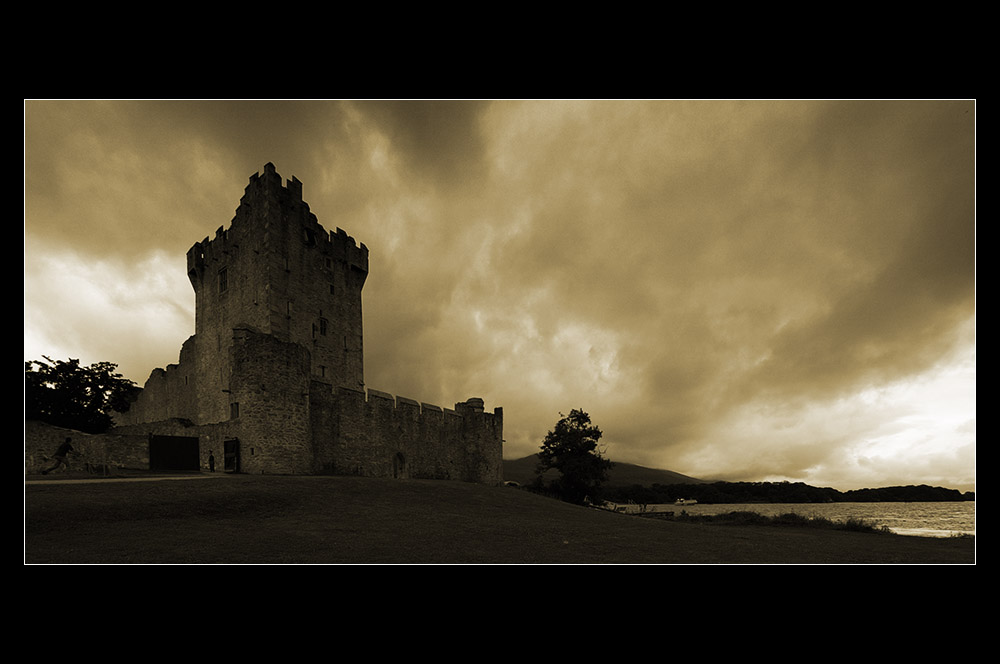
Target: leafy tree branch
(77,397)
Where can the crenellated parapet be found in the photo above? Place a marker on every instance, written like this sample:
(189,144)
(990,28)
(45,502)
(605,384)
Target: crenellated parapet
(343,247)
(378,434)
(265,202)
(473,405)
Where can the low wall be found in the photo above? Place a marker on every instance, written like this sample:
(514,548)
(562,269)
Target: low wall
(122,448)
(90,451)
(377,434)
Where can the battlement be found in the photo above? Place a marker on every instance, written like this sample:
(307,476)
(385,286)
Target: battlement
(378,434)
(265,200)
(338,245)
(270,180)
(385,399)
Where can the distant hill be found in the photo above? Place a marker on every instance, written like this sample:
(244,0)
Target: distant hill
(623,474)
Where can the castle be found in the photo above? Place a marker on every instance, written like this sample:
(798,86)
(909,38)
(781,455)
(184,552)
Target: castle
(273,382)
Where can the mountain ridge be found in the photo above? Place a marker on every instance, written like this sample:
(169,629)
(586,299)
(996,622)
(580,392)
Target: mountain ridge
(522,471)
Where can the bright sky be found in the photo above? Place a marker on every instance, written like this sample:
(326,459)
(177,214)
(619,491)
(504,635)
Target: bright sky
(735,290)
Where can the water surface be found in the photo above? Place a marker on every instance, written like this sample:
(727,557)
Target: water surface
(923,519)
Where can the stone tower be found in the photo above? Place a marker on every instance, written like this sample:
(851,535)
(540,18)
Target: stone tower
(277,271)
(273,376)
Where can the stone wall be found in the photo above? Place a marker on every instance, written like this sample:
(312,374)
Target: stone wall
(93,452)
(379,435)
(136,439)
(289,422)
(168,393)
(270,404)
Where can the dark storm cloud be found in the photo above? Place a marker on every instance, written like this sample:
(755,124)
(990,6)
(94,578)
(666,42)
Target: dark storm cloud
(908,237)
(761,253)
(440,141)
(131,176)
(713,281)
(112,178)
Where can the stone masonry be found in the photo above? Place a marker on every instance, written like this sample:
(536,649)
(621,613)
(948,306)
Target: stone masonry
(273,376)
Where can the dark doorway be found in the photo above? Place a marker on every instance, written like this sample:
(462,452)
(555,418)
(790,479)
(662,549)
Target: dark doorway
(173,453)
(399,466)
(231,463)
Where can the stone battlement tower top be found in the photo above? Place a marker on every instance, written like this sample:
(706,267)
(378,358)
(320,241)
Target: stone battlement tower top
(276,270)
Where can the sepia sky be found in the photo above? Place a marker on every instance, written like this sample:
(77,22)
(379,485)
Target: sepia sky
(734,290)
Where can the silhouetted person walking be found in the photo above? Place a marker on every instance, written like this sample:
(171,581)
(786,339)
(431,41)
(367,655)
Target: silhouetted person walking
(60,457)
(211,462)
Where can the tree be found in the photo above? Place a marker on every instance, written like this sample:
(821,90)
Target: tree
(571,448)
(68,395)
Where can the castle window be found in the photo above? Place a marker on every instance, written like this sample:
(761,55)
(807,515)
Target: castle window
(310,237)
(331,289)
(322,371)
(234,410)
(322,326)
(223,280)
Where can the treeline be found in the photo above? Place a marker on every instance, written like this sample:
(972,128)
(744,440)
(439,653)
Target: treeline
(777,492)
(895,494)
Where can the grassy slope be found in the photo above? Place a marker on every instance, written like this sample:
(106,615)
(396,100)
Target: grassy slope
(254,519)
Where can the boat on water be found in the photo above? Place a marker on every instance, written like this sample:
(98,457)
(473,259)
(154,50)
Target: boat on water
(685,501)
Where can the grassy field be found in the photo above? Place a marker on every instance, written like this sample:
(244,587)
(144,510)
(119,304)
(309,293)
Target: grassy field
(241,519)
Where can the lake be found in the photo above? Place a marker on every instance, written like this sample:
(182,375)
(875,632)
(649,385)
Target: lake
(922,519)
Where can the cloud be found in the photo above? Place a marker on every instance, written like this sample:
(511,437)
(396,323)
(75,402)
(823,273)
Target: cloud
(135,314)
(680,270)
(440,142)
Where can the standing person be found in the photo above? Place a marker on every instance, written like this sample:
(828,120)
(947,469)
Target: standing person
(60,456)
(211,462)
